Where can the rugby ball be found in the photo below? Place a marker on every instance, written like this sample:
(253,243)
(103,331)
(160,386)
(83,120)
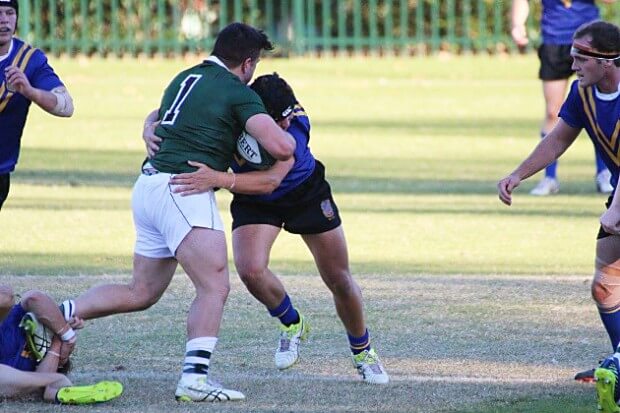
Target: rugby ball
(253,153)
(38,336)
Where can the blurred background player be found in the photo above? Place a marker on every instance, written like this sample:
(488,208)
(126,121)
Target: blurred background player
(559,20)
(25,77)
(202,112)
(293,195)
(593,104)
(26,368)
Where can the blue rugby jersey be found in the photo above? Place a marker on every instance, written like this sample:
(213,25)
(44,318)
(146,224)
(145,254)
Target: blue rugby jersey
(13,350)
(304,160)
(561,18)
(13,106)
(599,114)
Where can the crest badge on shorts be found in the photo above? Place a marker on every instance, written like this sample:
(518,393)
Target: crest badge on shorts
(328,211)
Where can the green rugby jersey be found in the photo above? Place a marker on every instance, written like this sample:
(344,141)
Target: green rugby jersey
(202,112)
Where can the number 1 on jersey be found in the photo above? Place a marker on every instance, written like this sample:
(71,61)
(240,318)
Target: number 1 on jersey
(186,86)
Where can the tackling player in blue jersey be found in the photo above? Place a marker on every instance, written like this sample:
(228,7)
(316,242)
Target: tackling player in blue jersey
(559,20)
(593,104)
(25,77)
(293,195)
(26,366)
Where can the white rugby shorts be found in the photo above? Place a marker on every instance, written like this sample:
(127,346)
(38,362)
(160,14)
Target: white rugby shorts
(162,218)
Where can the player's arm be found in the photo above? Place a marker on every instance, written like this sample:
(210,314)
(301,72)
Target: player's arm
(7,300)
(548,150)
(14,382)
(151,140)
(57,101)
(50,362)
(518,16)
(249,183)
(279,143)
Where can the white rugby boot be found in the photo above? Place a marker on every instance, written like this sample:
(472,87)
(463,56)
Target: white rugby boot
(197,388)
(546,186)
(370,368)
(602,182)
(287,352)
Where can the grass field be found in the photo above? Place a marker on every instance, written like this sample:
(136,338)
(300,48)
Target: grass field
(475,307)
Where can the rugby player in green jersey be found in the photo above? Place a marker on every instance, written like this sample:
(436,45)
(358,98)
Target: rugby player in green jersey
(293,196)
(202,112)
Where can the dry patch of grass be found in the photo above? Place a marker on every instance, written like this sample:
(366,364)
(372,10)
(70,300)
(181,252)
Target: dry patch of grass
(450,343)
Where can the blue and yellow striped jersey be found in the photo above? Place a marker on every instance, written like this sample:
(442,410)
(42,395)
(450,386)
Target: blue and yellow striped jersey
(599,115)
(13,106)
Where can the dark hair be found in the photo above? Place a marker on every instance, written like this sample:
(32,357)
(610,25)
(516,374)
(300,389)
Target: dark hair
(276,94)
(237,42)
(605,36)
(10,3)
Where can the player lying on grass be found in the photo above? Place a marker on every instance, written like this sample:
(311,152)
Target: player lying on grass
(593,104)
(31,354)
(293,195)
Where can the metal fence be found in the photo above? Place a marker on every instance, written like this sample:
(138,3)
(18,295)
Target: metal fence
(132,27)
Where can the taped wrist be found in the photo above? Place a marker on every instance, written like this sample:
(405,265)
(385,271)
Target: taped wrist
(67,334)
(64,103)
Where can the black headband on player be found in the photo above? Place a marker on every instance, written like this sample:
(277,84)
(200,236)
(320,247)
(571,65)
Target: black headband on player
(10,3)
(584,50)
(276,94)
(286,112)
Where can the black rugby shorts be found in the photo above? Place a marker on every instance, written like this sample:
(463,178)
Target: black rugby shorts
(5,183)
(555,61)
(308,209)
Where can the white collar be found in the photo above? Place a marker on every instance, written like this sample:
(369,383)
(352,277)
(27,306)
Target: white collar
(217,61)
(607,96)
(4,56)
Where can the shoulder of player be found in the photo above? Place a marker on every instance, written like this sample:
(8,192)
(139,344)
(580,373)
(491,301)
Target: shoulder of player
(300,117)
(26,53)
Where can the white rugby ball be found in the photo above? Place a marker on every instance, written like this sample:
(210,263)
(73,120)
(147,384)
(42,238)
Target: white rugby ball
(253,153)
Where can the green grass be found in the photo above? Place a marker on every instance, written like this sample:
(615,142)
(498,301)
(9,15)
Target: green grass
(413,150)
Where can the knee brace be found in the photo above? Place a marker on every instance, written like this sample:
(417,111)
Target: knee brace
(606,283)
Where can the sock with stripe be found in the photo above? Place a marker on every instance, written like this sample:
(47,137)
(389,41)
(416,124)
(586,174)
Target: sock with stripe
(285,312)
(197,356)
(359,344)
(67,308)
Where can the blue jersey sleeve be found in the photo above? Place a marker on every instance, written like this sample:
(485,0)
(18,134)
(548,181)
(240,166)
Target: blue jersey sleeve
(40,73)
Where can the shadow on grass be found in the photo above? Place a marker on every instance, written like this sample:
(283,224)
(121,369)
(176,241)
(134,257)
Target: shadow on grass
(436,126)
(440,358)
(18,263)
(358,175)
(582,401)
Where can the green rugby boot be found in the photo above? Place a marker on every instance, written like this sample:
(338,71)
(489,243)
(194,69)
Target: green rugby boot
(97,393)
(606,376)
